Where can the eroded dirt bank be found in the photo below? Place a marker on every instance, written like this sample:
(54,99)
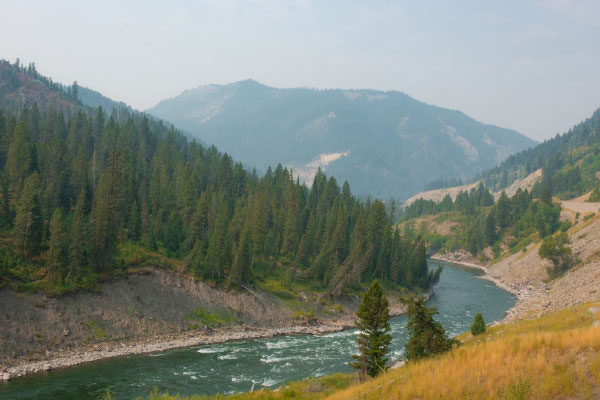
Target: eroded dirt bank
(149,312)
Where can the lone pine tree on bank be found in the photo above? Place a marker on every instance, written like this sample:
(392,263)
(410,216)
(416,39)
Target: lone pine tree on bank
(478,326)
(373,340)
(427,336)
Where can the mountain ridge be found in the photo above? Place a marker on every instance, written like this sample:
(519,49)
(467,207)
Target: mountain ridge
(400,140)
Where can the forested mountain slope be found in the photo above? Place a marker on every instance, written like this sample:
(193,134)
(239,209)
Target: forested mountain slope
(565,167)
(23,86)
(570,162)
(383,143)
(86,195)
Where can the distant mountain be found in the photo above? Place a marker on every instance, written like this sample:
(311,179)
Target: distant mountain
(94,99)
(383,143)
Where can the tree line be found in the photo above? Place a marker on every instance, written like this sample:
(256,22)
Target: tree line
(485,222)
(75,189)
(568,162)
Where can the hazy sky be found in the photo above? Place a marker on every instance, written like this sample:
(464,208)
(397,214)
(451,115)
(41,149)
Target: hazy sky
(530,66)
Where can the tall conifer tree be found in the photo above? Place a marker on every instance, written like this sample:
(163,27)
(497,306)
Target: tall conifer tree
(373,339)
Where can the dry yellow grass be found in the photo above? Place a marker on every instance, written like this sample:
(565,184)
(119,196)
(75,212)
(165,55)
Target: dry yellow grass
(557,356)
(553,357)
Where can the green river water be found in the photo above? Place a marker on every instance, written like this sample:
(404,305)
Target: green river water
(239,366)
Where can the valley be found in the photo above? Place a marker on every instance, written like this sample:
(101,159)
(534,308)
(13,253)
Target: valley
(260,363)
(135,255)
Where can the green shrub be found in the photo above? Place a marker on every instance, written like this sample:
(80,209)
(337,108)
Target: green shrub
(565,225)
(201,316)
(595,196)
(518,390)
(496,250)
(556,249)
(478,326)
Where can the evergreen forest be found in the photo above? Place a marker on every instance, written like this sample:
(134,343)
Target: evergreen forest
(86,195)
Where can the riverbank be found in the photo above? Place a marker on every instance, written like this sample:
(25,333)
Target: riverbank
(524,274)
(80,353)
(157,344)
(516,291)
(265,363)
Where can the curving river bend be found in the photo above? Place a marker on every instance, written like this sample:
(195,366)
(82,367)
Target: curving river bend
(239,366)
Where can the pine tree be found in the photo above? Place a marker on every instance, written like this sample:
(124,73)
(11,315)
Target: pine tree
(240,268)
(28,220)
(20,161)
(218,253)
(105,216)
(503,210)
(259,224)
(339,241)
(490,228)
(427,336)
(173,232)
(546,218)
(291,229)
(135,223)
(57,246)
(478,326)
(374,339)
(546,195)
(78,248)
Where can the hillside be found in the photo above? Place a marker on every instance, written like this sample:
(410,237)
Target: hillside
(437,195)
(526,273)
(383,143)
(89,200)
(548,346)
(568,165)
(552,357)
(570,162)
(22,86)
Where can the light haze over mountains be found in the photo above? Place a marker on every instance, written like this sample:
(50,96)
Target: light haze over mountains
(385,144)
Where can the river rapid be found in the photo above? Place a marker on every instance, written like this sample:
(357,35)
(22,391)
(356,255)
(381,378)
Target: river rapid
(257,363)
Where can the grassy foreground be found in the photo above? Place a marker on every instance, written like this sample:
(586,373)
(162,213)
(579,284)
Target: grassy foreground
(556,356)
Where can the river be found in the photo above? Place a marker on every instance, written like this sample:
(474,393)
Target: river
(239,366)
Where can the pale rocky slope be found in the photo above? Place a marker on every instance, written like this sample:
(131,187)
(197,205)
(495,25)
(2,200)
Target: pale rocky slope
(525,273)
(438,195)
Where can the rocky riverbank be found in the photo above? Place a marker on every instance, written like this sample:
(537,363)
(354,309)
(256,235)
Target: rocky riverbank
(524,274)
(90,327)
(519,291)
(158,344)
(513,289)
